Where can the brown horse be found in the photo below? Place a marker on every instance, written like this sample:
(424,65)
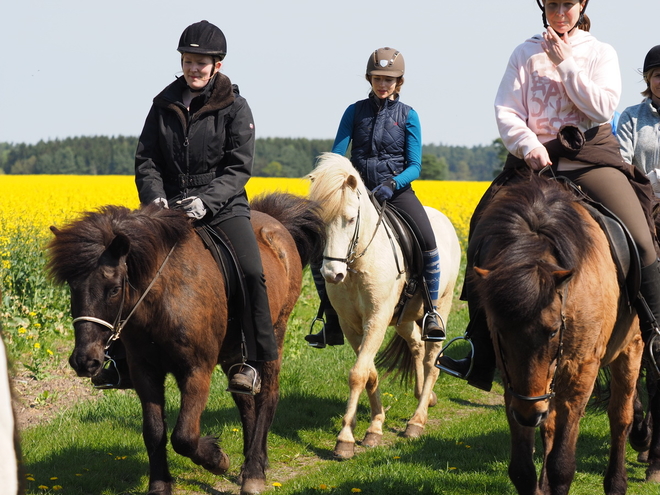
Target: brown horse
(149,272)
(546,279)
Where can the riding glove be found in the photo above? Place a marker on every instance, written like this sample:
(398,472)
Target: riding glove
(162,202)
(194,207)
(385,191)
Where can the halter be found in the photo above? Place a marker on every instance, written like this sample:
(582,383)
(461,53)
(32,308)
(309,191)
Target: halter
(560,352)
(351,255)
(118,325)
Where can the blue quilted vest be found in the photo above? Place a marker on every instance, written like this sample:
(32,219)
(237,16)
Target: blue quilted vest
(379,139)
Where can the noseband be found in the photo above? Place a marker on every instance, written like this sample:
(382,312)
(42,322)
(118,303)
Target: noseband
(119,324)
(558,355)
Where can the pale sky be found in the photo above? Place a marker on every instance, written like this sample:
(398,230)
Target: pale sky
(88,68)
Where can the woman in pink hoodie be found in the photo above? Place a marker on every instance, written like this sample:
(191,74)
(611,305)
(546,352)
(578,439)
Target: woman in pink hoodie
(553,107)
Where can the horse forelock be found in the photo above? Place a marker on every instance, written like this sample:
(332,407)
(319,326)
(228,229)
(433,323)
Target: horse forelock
(333,179)
(76,248)
(529,229)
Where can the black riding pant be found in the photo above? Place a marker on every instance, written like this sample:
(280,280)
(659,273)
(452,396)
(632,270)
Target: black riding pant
(406,200)
(260,339)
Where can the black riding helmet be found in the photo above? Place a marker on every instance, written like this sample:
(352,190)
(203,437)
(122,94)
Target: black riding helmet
(203,38)
(652,59)
(583,22)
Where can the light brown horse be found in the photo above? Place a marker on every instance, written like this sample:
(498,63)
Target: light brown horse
(545,276)
(147,271)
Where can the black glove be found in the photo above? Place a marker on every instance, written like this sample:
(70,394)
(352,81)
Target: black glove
(385,191)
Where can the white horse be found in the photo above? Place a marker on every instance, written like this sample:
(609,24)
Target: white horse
(361,270)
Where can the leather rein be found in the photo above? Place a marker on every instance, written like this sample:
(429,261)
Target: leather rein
(118,325)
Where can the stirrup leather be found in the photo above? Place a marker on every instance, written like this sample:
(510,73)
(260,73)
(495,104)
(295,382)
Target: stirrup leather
(649,347)
(318,345)
(441,321)
(449,371)
(256,386)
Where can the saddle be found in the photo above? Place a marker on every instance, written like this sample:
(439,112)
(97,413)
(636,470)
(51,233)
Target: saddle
(623,248)
(226,259)
(407,234)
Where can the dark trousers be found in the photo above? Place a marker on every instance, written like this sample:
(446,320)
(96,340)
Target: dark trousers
(260,339)
(406,200)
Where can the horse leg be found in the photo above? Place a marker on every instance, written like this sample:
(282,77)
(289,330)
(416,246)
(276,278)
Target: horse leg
(426,374)
(363,371)
(640,434)
(186,439)
(625,370)
(154,431)
(522,471)
(374,434)
(257,415)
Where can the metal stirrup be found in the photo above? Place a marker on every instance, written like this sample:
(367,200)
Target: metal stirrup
(450,371)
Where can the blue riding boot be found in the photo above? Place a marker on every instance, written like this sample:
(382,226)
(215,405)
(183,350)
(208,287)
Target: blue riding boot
(433,328)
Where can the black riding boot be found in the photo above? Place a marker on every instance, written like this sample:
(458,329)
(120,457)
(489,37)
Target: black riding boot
(649,313)
(478,368)
(331,333)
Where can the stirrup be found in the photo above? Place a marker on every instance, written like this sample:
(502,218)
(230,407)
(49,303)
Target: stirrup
(318,345)
(649,346)
(443,329)
(108,361)
(256,386)
(450,371)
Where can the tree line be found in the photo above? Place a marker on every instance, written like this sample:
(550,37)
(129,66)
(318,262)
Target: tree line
(274,157)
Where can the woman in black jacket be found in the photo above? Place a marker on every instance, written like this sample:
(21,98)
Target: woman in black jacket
(196,152)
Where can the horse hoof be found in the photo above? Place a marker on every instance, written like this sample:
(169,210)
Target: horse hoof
(222,466)
(372,440)
(653,475)
(643,456)
(433,399)
(344,450)
(253,486)
(413,431)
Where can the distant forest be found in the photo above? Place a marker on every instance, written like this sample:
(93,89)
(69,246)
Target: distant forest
(274,157)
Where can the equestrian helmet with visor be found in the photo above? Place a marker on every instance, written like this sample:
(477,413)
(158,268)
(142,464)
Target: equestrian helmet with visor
(386,62)
(203,38)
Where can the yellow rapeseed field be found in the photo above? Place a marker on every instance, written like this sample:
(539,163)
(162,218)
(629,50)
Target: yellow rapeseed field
(38,201)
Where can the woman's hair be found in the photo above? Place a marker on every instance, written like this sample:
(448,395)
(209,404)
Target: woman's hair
(399,83)
(647,79)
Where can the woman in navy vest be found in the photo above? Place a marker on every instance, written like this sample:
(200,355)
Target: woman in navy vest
(387,152)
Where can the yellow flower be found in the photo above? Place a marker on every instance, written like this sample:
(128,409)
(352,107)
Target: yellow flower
(355,490)
(53,478)
(37,345)
(22,330)
(323,486)
(277,485)
(49,352)
(57,487)
(42,487)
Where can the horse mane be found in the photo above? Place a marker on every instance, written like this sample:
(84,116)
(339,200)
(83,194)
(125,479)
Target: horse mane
(328,183)
(75,249)
(300,216)
(528,231)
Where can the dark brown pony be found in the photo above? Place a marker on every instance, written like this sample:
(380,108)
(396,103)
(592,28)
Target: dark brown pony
(151,265)
(546,278)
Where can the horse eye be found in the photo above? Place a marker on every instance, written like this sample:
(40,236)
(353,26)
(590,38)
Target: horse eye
(114,291)
(554,333)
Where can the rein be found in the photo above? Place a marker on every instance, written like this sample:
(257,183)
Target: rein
(557,359)
(119,324)
(351,256)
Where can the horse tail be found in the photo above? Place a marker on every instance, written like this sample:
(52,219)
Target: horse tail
(300,216)
(396,358)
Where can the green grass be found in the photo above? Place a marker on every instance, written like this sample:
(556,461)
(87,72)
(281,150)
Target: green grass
(96,447)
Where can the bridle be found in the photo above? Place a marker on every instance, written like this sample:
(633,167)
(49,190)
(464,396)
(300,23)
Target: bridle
(118,325)
(556,360)
(351,255)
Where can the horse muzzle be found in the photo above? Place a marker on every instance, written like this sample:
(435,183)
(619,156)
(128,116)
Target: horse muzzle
(532,415)
(87,364)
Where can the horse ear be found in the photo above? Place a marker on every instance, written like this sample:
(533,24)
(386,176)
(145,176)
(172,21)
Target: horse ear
(119,246)
(481,272)
(562,276)
(54,230)
(351,181)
